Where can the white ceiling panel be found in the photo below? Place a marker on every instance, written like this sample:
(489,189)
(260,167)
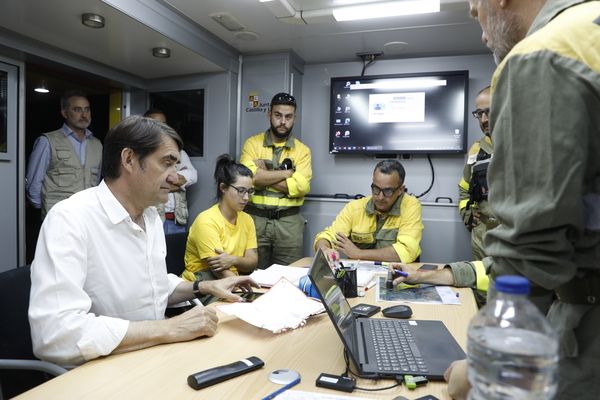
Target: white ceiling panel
(126,44)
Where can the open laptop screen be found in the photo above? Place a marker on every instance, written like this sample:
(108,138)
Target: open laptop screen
(338,308)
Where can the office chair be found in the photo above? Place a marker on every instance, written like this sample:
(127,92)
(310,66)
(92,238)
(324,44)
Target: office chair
(176,252)
(20,370)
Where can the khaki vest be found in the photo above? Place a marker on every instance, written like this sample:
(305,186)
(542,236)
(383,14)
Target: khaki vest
(65,175)
(181,210)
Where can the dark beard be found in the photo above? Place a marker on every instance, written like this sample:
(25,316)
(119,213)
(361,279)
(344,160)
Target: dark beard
(281,135)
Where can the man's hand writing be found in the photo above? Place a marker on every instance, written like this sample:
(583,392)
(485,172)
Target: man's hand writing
(197,322)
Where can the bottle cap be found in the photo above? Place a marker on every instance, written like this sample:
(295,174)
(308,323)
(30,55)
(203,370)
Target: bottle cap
(513,284)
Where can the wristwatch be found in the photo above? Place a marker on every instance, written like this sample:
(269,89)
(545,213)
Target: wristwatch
(196,290)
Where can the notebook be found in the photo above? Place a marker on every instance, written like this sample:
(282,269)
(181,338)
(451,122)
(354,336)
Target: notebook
(381,348)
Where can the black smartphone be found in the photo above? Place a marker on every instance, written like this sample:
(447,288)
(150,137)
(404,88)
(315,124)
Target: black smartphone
(365,310)
(428,267)
(249,296)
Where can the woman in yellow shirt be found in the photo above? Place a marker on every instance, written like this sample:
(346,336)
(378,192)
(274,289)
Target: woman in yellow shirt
(222,239)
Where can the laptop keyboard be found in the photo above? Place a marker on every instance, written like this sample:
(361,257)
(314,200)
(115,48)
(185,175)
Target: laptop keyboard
(395,348)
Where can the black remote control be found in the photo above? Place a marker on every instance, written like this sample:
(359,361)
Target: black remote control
(211,376)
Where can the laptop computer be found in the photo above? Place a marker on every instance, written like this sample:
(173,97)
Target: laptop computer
(385,348)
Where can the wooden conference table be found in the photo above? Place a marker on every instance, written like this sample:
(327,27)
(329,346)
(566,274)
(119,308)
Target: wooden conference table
(161,372)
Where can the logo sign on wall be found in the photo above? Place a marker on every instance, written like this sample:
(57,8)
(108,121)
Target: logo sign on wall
(254,104)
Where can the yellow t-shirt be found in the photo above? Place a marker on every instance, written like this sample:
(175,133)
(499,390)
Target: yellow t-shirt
(211,231)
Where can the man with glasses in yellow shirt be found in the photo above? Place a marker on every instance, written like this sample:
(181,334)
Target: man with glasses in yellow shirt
(386,226)
(473,188)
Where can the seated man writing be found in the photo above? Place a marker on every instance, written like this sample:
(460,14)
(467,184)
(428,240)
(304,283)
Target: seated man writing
(99,283)
(383,227)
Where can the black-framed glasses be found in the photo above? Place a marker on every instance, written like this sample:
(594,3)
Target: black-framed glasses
(387,192)
(243,191)
(480,111)
(283,99)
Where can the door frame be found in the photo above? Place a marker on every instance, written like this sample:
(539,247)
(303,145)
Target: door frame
(16,148)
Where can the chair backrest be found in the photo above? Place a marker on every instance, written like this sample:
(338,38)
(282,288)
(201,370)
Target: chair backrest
(176,252)
(15,335)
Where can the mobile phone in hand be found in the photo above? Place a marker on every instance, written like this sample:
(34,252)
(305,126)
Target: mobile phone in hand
(248,296)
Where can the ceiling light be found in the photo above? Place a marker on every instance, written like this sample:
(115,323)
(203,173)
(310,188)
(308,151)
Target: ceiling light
(246,35)
(227,21)
(92,20)
(386,9)
(161,52)
(42,88)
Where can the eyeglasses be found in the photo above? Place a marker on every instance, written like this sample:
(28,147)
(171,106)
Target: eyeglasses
(81,110)
(243,191)
(480,111)
(283,99)
(387,192)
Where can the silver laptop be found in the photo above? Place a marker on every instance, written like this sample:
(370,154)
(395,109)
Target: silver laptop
(381,348)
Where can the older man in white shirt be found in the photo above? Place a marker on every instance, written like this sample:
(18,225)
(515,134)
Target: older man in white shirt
(99,283)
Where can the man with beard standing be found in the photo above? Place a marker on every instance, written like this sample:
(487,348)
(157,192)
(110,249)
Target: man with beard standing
(473,188)
(67,160)
(282,170)
(544,178)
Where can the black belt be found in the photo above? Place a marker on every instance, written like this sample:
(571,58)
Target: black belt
(272,213)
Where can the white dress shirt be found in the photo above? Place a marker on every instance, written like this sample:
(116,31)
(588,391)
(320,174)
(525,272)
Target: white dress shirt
(94,271)
(187,170)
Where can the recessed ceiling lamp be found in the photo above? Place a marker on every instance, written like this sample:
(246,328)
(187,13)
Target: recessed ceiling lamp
(386,9)
(246,35)
(92,20)
(42,88)
(161,52)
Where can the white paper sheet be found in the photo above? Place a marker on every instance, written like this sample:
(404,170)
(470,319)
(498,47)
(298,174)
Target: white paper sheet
(300,395)
(283,307)
(268,277)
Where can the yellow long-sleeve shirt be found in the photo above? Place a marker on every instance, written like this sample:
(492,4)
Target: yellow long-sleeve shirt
(402,228)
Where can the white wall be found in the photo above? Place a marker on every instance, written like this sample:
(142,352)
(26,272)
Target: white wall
(444,239)
(352,173)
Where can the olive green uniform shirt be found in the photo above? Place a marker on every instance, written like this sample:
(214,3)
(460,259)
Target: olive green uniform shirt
(545,176)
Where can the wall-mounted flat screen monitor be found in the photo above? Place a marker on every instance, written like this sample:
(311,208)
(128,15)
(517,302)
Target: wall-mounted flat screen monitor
(403,113)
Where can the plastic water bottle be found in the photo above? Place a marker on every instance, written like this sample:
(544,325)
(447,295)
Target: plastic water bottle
(513,351)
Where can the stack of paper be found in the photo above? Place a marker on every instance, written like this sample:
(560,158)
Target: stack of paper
(281,308)
(270,276)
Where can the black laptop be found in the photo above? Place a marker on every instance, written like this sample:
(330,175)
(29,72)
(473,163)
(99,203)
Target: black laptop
(384,348)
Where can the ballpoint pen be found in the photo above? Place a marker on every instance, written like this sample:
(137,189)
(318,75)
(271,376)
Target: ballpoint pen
(282,389)
(389,282)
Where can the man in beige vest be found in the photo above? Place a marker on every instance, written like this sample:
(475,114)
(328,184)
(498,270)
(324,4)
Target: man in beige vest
(174,212)
(67,160)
